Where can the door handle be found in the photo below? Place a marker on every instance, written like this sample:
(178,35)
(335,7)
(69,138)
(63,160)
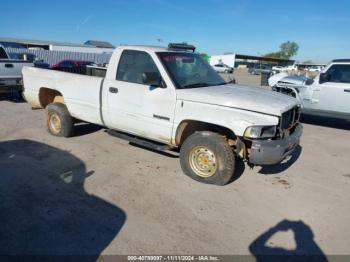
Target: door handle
(9,65)
(347,90)
(113,90)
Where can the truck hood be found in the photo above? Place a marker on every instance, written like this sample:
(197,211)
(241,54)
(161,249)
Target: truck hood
(241,97)
(294,80)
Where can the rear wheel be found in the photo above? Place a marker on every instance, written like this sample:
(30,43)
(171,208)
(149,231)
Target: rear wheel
(59,121)
(207,157)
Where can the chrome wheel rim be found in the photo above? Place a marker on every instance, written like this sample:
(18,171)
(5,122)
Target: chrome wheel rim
(55,123)
(203,161)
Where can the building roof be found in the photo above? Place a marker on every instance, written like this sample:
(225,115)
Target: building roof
(101,44)
(89,43)
(38,42)
(263,58)
(311,64)
(252,57)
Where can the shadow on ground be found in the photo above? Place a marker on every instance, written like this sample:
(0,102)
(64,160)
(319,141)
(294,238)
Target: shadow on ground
(306,247)
(326,121)
(44,209)
(284,165)
(239,170)
(83,128)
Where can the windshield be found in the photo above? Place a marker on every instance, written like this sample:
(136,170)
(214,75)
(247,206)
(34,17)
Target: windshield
(189,70)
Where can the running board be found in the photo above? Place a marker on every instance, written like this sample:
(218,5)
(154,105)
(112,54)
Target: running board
(143,142)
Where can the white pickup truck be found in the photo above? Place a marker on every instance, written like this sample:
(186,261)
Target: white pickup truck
(171,99)
(328,94)
(10,72)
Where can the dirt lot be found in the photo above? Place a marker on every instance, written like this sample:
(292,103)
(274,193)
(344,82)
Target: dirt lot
(243,78)
(96,194)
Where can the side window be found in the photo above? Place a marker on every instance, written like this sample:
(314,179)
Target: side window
(3,54)
(339,73)
(133,64)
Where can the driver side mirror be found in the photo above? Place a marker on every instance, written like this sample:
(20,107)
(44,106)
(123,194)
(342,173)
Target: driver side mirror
(153,79)
(324,77)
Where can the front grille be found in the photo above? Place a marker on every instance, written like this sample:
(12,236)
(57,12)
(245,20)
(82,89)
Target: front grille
(290,118)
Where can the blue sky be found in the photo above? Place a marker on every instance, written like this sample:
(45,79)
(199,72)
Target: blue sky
(321,28)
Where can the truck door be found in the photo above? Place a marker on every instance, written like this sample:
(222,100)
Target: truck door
(135,107)
(334,95)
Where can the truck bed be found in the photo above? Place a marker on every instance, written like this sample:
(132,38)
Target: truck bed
(81,93)
(86,70)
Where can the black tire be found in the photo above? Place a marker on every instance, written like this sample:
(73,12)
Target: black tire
(59,111)
(221,152)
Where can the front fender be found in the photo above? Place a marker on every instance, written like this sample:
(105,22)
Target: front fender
(237,120)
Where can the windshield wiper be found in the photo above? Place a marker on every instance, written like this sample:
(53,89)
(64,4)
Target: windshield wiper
(195,85)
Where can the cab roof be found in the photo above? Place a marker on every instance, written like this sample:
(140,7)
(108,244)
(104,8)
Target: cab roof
(172,47)
(341,61)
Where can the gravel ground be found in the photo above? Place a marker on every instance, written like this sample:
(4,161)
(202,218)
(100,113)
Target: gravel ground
(96,194)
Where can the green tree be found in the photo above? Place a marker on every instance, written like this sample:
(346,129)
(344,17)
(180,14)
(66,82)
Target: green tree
(274,55)
(287,50)
(206,57)
(307,62)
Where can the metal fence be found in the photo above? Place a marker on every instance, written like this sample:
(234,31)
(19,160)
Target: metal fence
(53,57)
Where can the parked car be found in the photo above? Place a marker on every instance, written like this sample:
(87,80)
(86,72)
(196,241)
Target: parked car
(222,68)
(66,64)
(171,99)
(315,69)
(30,58)
(326,95)
(10,72)
(257,69)
(278,68)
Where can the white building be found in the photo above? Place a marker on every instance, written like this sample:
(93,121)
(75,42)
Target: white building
(228,59)
(90,46)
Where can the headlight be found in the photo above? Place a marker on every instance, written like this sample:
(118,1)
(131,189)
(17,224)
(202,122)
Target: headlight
(260,132)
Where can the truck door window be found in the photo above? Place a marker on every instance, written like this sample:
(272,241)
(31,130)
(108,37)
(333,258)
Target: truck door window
(3,54)
(339,73)
(132,64)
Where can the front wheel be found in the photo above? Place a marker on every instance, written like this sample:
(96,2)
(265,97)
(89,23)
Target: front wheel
(207,158)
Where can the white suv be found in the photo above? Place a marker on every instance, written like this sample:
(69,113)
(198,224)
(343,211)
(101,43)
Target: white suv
(222,68)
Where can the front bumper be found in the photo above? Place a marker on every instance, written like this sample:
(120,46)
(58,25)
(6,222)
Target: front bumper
(269,152)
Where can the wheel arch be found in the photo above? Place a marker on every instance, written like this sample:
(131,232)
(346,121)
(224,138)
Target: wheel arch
(49,95)
(188,127)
